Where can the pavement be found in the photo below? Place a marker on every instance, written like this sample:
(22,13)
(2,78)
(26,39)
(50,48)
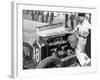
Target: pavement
(29,30)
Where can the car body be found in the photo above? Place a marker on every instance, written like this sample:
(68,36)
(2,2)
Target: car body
(52,41)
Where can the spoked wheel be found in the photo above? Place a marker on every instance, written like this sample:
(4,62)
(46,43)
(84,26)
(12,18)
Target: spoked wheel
(50,62)
(27,55)
(27,51)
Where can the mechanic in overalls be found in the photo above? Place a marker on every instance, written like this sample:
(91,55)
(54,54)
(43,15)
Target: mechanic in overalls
(83,28)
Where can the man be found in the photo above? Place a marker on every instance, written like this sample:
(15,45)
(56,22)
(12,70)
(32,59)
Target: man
(83,28)
(47,17)
(69,20)
(32,14)
(51,18)
(42,14)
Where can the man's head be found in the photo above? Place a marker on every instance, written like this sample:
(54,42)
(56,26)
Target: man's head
(81,17)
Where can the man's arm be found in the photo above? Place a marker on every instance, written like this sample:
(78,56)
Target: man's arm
(75,29)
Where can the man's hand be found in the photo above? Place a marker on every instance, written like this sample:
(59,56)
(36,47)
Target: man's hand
(83,59)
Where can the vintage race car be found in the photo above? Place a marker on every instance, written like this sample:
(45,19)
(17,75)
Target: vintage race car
(52,48)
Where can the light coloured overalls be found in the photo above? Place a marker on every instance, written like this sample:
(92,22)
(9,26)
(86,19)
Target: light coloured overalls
(82,39)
